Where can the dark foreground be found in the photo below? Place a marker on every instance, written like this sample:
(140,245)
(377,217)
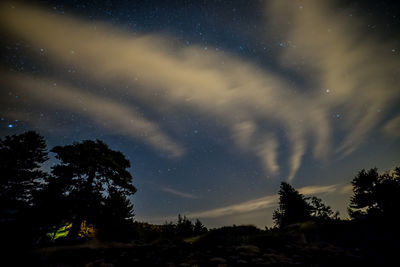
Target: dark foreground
(188,255)
(299,245)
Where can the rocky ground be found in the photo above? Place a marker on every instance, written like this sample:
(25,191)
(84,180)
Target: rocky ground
(230,246)
(184,254)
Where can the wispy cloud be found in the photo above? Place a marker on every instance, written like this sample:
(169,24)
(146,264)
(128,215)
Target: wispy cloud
(346,189)
(354,73)
(266,146)
(268,152)
(350,74)
(259,203)
(178,193)
(310,190)
(392,127)
(105,112)
(248,206)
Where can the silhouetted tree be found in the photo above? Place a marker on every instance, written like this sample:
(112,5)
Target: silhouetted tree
(376,197)
(20,177)
(320,211)
(50,207)
(88,172)
(199,228)
(168,230)
(20,159)
(116,222)
(293,207)
(184,226)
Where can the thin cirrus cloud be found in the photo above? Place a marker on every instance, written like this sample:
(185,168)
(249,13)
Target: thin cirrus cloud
(317,189)
(105,112)
(248,206)
(163,76)
(392,127)
(178,193)
(345,58)
(263,202)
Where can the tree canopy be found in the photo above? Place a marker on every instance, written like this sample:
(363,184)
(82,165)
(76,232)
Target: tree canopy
(92,165)
(321,211)
(20,159)
(93,177)
(376,196)
(91,186)
(21,178)
(293,207)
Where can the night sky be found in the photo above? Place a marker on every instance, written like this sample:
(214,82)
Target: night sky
(213,102)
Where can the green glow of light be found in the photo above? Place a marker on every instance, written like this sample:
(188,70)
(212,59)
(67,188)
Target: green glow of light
(87,230)
(61,232)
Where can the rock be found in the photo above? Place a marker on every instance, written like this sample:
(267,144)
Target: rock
(259,261)
(99,263)
(278,258)
(241,262)
(234,257)
(194,262)
(250,249)
(135,260)
(218,260)
(270,250)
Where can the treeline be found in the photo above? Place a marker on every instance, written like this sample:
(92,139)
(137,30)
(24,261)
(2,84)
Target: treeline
(294,208)
(182,228)
(375,200)
(86,193)
(89,186)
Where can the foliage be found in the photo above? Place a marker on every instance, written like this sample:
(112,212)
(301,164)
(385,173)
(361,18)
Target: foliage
(91,165)
(51,207)
(183,229)
(145,232)
(94,183)
(117,217)
(321,211)
(293,207)
(375,196)
(88,194)
(168,230)
(184,226)
(20,159)
(199,228)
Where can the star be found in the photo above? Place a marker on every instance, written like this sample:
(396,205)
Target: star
(238,92)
